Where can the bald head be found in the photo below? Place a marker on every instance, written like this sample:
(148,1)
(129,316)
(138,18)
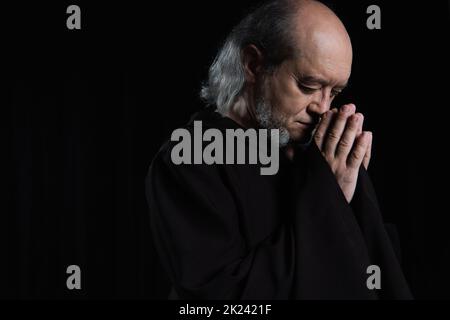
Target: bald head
(311,14)
(300,41)
(319,34)
(303,86)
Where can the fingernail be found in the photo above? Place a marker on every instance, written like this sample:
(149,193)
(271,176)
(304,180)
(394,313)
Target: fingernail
(348,108)
(360,116)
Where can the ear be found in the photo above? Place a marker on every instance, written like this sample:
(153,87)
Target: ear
(252,60)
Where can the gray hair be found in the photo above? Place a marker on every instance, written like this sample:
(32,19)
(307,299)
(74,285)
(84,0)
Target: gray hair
(268,27)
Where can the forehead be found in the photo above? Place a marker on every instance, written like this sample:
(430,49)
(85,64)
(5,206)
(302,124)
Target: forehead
(328,59)
(332,71)
(324,52)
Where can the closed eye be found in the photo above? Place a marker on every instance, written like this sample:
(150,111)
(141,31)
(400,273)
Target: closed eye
(334,93)
(310,90)
(306,89)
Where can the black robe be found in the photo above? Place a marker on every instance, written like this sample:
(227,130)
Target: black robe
(228,232)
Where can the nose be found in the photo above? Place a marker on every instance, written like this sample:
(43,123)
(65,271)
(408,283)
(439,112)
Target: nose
(320,102)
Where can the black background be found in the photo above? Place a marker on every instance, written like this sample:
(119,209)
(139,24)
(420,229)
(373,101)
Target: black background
(84,111)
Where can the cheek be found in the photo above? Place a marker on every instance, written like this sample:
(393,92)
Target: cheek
(288,99)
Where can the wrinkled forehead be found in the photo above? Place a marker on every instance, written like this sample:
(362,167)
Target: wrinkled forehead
(324,53)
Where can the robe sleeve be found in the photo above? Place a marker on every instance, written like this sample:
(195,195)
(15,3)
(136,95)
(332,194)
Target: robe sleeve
(337,242)
(319,253)
(331,255)
(195,224)
(381,239)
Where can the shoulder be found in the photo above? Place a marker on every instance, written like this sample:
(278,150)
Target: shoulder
(188,141)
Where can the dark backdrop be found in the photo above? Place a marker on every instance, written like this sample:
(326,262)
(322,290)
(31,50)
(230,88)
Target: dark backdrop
(83,113)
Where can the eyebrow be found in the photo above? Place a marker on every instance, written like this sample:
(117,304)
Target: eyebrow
(323,82)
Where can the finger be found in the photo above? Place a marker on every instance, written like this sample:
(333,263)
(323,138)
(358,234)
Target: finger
(368,154)
(336,129)
(348,137)
(360,129)
(356,157)
(321,130)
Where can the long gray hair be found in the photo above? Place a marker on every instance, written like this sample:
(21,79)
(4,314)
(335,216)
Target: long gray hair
(269,28)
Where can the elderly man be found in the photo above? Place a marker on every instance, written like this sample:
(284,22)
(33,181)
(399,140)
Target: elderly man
(313,230)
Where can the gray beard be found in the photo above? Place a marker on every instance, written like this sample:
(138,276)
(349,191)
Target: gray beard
(267,120)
